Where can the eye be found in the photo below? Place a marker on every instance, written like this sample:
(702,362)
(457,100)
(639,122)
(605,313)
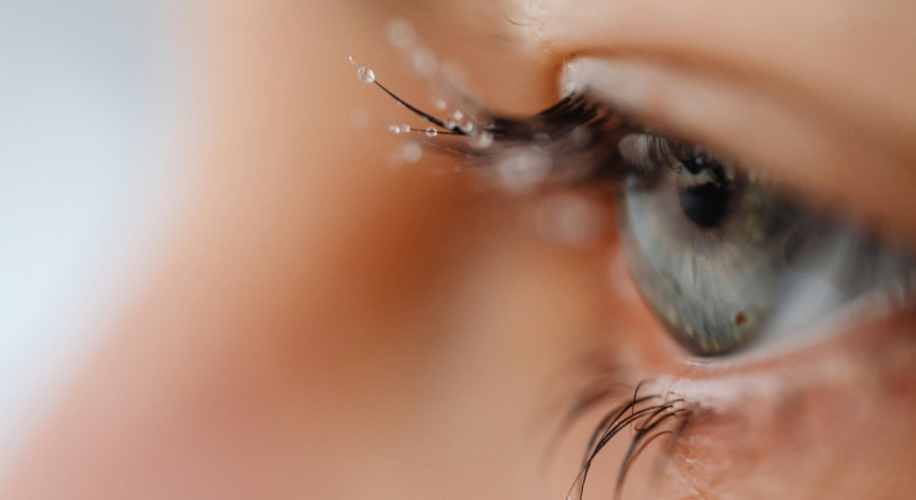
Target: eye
(723,258)
(726,260)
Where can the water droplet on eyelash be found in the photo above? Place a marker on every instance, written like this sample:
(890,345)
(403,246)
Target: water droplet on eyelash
(431,132)
(451,125)
(458,116)
(401,33)
(395,129)
(568,219)
(441,104)
(467,127)
(405,129)
(424,62)
(484,140)
(581,136)
(366,75)
(412,152)
(521,171)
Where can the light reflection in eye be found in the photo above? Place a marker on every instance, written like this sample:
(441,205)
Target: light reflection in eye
(725,260)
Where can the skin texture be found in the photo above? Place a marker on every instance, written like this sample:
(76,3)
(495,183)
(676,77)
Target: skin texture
(324,327)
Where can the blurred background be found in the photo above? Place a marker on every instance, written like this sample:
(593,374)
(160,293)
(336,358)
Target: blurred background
(93,117)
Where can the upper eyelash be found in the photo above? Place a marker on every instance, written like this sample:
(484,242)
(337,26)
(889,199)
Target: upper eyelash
(578,136)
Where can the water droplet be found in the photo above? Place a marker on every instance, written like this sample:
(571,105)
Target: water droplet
(441,104)
(352,61)
(484,140)
(451,125)
(581,136)
(431,132)
(395,129)
(542,138)
(412,152)
(424,62)
(366,75)
(569,88)
(401,33)
(467,127)
(522,170)
(405,129)
(458,116)
(568,219)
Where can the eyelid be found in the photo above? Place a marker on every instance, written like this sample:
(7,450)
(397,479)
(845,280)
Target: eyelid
(781,139)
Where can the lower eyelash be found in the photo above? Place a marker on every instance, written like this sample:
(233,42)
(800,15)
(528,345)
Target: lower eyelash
(650,417)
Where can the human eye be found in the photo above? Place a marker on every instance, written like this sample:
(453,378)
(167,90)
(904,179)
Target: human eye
(727,261)
(741,271)
(770,296)
(738,267)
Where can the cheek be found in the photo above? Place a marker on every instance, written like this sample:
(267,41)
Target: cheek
(832,423)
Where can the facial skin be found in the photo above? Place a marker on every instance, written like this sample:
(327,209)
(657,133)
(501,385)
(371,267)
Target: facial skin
(324,327)
(809,92)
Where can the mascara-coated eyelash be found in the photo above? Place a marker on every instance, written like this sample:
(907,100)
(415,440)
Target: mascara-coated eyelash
(574,141)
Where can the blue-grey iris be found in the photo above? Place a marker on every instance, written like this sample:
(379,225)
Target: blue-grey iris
(722,257)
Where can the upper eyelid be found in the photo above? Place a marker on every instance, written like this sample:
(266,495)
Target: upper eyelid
(762,131)
(832,186)
(860,125)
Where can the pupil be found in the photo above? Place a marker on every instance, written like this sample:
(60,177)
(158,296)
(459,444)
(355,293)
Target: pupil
(706,204)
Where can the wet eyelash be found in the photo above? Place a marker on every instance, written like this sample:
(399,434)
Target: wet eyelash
(577,140)
(574,141)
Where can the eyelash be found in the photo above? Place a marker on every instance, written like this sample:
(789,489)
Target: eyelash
(579,140)
(651,417)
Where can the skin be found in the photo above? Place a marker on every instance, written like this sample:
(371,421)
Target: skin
(323,327)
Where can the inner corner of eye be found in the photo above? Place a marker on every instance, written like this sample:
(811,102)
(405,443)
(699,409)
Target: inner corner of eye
(727,262)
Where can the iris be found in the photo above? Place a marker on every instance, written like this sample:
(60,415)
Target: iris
(724,259)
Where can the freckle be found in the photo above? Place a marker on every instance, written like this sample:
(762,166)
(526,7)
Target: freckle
(740,318)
